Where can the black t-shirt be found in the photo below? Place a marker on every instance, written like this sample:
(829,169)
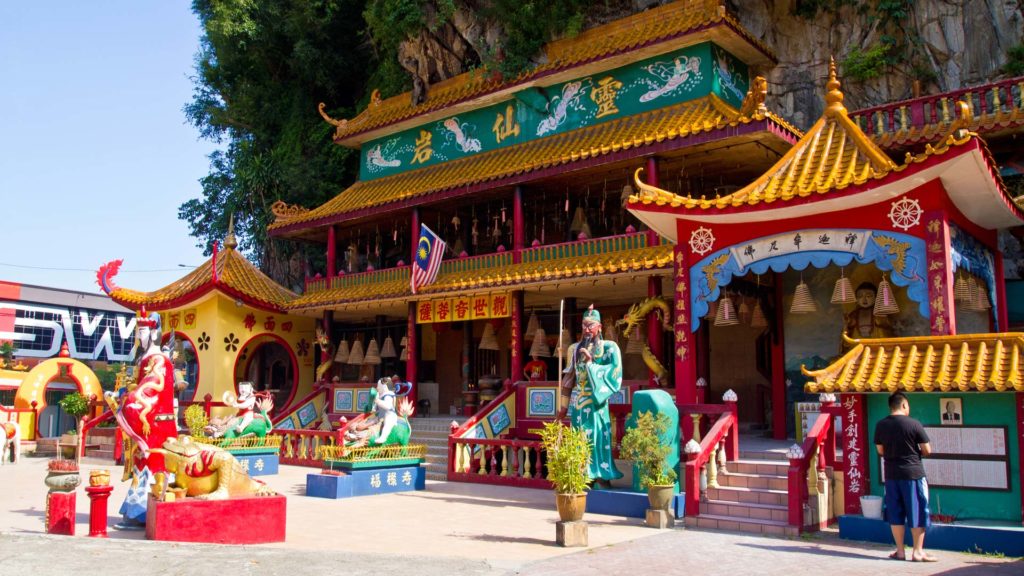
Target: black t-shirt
(900,437)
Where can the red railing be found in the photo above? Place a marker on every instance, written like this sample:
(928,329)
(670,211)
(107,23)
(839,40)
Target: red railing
(302,447)
(86,423)
(818,450)
(207,403)
(988,102)
(723,435)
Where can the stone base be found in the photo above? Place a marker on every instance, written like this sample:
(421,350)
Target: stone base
(60,513)
(253,520)
(659,519)
(629,504)
(259,464)
(366,482)
(571,534)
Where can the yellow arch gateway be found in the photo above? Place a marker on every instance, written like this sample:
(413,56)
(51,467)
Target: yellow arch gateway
(33,387)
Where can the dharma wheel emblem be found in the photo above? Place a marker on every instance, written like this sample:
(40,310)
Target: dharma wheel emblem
(701,240)
(905,213)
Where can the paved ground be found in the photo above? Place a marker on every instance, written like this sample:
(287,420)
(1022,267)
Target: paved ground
(450,528)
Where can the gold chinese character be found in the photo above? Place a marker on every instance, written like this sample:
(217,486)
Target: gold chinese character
(423,150)
(604,96)
(505,125)
(934,226)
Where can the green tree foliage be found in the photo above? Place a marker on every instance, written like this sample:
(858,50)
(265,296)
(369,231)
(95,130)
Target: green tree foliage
(567,450)
(642,444)
(261,69)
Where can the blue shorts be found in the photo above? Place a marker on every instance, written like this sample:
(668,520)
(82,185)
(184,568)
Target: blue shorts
(906,503)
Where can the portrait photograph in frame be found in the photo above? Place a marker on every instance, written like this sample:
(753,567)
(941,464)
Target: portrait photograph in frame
(951,411)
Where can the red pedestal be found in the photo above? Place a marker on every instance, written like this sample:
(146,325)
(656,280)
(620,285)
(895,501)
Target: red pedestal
(98,496)
(60,513)
(255,520)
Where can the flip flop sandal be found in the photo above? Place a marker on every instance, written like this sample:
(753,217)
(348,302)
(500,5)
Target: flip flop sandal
(926,558)
(896,556)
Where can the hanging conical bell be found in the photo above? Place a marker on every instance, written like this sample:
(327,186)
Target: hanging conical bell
(540,347)
(757,319)
(636,342)
(982,302)
(564,343)
(744,311)
(372,353)
(388,350)
(972,293)
(726,315)
(961,290)
(885,300)
(532,326)
(843,292)
(341,356)
(356,356)
(405,342)
(712,310)
(489,340)
(803,303)
(404,356)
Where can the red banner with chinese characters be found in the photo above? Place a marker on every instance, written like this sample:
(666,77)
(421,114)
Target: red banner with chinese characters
(460,308)
(856,479)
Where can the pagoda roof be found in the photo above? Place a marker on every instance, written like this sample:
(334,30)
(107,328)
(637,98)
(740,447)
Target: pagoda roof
(960,363)
(833,162)
(631,262)
(509,165)
(227,271)
(653,31)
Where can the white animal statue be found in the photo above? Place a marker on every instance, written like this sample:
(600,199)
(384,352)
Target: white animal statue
(245,403)
(10,439)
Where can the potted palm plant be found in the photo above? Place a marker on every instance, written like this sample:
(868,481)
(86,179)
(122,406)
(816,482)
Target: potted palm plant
(568,459)
(642,444)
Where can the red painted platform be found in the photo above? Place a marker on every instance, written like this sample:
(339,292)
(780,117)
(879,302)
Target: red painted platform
(255,520)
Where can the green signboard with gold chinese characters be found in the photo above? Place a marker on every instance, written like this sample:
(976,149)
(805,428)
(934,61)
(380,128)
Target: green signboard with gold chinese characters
(535,112)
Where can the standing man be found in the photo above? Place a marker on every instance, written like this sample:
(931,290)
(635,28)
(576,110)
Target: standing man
(902,441)
(597,366)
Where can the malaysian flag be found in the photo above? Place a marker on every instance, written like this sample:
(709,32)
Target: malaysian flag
(429,251)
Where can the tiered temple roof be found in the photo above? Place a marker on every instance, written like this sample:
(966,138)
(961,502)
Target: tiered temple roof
(227,271)
(963,363)
(631,38)
(525,161)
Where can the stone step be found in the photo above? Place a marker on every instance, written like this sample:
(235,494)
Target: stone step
(762,481)
(759,467)
(738,524)
(763,455)
(749,495)
(745,510)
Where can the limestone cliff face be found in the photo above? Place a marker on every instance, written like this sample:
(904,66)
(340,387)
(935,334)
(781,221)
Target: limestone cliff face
(949,44)
(955,44)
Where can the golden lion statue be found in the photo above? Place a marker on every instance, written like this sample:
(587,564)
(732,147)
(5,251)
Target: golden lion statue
(208,472)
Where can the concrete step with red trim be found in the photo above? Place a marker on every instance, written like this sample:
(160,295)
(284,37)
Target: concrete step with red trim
(761,481)
(745,510)
(759,466)
(749,495)
(738,524)
(774,456)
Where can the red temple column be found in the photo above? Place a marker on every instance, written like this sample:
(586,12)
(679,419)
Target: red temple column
(855,456)
(412,352)
(654,339)
(779,365)
(1002,314)
(651,172)
(332,254)
(940,274)
(518,232)
(517,336)
(414,237)
(683,351)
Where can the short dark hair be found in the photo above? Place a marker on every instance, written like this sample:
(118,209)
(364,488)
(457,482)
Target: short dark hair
(867,286)
(896,400)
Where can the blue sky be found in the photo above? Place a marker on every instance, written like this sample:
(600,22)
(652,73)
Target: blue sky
(95,152)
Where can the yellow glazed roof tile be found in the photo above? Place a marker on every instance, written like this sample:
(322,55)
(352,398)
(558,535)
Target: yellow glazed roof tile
(622,261)
(643,29)
(235,275)
(702,115)
(962,363)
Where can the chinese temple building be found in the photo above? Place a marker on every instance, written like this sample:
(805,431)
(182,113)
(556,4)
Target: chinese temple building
(833,221)
(230,324)
(526,181)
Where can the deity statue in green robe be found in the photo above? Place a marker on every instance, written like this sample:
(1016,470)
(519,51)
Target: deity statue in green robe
(597,366)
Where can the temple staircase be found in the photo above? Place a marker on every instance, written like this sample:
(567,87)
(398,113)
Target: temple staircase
(433,431)
(751,496)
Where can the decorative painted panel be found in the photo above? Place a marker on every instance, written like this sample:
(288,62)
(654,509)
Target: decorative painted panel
(540,402)
(499,420)
(343,401)
(537,112)
(900,255)
(306,414)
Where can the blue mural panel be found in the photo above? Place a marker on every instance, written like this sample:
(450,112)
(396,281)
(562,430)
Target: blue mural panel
(343,401)
(540,402)
(499,420)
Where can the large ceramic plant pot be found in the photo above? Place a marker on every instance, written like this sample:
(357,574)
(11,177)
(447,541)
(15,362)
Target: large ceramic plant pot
(660,496)
(571,506)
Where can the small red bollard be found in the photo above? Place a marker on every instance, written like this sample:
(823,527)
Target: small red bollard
(60,513)
(98,496)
